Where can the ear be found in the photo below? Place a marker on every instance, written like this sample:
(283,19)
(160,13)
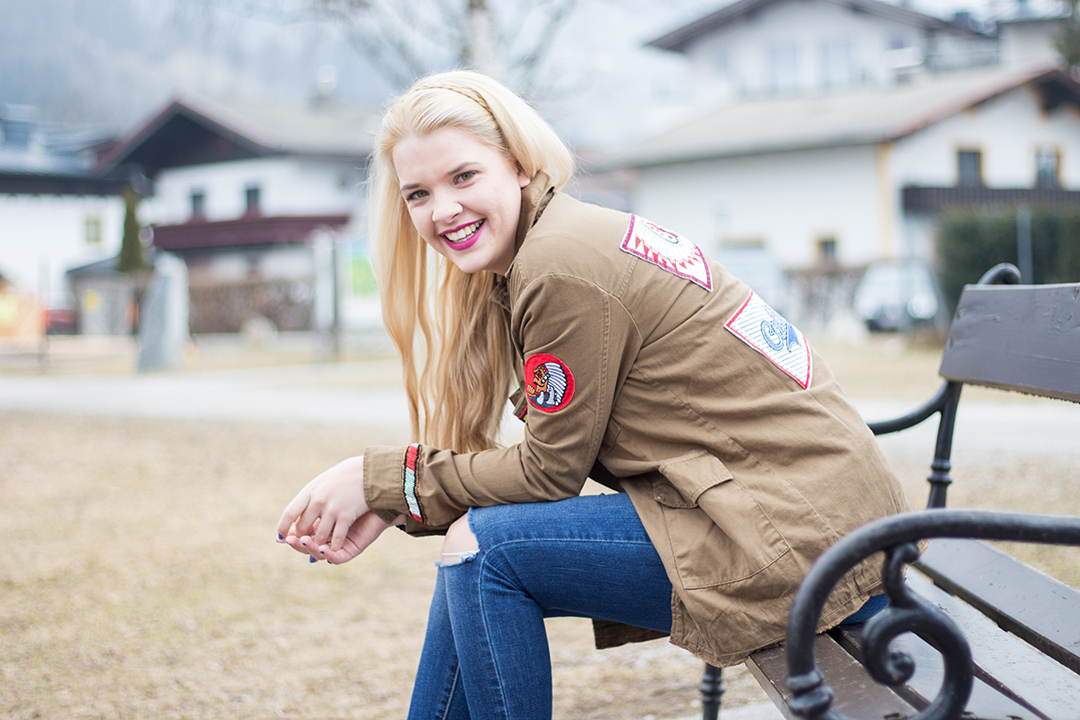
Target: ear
(523,179)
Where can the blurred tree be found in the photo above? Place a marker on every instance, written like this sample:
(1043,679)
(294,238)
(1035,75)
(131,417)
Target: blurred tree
(131,250)
(507,39)
(1067,40)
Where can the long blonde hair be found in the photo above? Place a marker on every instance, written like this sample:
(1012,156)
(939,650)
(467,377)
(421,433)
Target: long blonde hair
(453,340)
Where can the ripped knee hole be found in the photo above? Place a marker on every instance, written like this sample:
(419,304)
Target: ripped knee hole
(460,544)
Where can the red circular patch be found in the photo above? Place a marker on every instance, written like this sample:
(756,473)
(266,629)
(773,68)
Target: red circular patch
(549,384)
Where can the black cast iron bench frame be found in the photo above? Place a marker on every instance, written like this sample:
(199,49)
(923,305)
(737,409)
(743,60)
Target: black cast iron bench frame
(1006,336)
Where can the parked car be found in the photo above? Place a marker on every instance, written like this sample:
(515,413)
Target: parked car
(897,295)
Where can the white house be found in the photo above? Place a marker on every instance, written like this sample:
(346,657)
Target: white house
(830,175)
(55,210)
(823,178)
(754,48)
(261,201)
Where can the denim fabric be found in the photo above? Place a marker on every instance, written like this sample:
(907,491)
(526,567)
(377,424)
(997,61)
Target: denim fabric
(485,654)
(586,556)
(869,609)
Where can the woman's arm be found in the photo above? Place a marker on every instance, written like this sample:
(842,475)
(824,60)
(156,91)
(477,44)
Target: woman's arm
(578,342)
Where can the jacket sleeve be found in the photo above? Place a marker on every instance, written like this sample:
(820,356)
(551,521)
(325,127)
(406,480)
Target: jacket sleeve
(577,341)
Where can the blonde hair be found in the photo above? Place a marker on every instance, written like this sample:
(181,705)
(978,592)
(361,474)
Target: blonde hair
(453,340)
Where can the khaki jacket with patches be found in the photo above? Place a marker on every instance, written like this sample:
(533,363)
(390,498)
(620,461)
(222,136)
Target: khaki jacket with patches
(740,452)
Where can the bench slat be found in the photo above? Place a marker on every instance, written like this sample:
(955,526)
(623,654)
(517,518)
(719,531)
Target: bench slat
(1006,662)
(985,703)
(1045,614)
(1034,344)
(857,694)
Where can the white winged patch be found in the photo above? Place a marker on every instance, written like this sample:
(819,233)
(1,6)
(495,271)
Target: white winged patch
(765,330)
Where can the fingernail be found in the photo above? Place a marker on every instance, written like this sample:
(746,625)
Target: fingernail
(280,537)
(312,560)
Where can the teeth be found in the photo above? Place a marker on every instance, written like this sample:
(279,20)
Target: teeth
(459,235)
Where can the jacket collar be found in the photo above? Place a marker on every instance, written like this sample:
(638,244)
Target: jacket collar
(534,199)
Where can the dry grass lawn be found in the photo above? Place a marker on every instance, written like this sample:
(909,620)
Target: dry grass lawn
(142,579)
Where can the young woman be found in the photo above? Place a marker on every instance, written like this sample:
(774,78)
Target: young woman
(637,361)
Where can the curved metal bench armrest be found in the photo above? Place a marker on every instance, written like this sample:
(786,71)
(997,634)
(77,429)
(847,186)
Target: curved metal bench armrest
(913,418)
(1000,274)
(897,536)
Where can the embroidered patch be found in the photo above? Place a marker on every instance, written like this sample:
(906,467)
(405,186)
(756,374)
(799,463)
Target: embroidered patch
(408,482)
(765,330)
(667,250)
(549,384)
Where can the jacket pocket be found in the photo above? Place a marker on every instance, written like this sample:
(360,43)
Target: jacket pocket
(719,532)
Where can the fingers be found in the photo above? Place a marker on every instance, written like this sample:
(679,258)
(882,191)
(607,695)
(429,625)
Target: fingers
(363,531)
(322,515)
(289,516)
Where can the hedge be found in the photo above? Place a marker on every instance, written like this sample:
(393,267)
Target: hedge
(970,242)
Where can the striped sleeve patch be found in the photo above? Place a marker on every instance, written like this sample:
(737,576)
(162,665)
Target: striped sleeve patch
(408,482)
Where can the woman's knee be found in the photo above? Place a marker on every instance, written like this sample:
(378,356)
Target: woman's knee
(460,543)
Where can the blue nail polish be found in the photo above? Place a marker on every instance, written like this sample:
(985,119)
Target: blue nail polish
(312,560)
(280,537)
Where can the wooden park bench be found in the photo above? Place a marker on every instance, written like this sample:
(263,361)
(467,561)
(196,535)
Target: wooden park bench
(970,631)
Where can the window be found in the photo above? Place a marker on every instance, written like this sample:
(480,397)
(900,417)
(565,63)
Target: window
(1047,164)
(837,63)
(198,204)
(92,230)
(826,252)
(969,168)
(720,60)
(783,67)
(251,199)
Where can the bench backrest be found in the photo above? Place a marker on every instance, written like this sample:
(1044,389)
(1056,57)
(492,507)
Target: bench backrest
(1017,337)
(1014,337)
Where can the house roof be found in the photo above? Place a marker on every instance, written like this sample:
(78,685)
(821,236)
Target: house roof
(52,158)
(681,38)
(192,130)
(862,116)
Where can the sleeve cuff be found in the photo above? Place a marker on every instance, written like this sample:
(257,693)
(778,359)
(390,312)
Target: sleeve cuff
(383,481)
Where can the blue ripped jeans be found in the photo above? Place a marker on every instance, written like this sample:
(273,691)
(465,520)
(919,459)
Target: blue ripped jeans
(586,556)
(486,654)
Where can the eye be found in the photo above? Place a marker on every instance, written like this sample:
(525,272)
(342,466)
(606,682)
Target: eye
(415,195)
(465,176)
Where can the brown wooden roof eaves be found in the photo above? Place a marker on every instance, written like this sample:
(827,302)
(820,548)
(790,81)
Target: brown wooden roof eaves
(192,130)
(245,232)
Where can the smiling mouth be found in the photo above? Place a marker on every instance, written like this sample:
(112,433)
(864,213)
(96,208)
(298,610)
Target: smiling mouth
(463,234)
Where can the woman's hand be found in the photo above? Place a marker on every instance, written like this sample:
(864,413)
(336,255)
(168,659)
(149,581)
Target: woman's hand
(330,519)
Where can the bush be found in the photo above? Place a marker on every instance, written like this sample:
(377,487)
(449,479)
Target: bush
(970,242)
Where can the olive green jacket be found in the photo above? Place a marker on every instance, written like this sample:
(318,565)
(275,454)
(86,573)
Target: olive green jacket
(659,373)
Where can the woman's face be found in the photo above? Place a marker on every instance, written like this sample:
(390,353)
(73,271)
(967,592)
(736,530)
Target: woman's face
(463,195)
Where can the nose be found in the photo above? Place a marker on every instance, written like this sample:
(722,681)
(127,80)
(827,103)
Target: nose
(445,208)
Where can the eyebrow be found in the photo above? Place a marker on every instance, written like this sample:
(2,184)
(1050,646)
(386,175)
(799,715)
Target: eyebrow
(455,171)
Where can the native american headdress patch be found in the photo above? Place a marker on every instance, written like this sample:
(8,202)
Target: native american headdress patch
(549,384)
